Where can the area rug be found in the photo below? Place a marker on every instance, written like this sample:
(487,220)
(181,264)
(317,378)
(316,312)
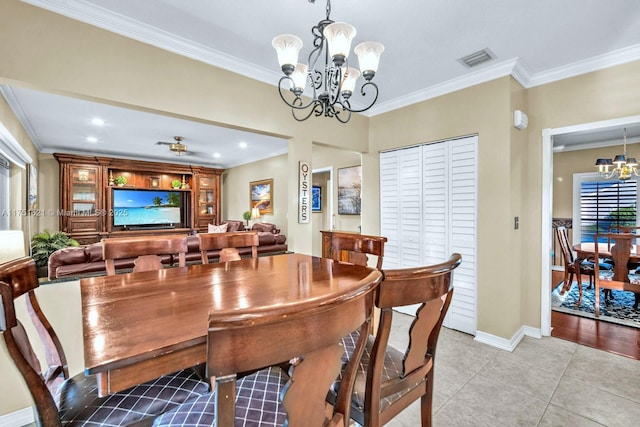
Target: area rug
(620,310)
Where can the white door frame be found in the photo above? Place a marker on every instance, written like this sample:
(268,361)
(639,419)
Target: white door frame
(547,204)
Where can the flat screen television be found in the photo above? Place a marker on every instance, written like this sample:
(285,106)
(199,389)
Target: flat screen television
(148,208)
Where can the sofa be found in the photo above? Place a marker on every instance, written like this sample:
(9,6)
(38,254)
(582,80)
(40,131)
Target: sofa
(87,260)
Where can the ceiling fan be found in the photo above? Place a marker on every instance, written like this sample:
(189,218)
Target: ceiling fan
(176,147)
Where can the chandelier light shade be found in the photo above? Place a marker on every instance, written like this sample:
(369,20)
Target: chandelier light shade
(328,72)
(621,167)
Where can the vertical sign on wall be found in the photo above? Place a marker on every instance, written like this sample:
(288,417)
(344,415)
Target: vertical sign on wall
(304,193)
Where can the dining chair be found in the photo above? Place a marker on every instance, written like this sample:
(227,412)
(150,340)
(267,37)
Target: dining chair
(227,244)
(148,251)
(352,247)
(568,255)
(70,401)
(270,396)
(390,379)
(623,277)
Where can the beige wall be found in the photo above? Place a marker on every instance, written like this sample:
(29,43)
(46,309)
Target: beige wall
(235,190)
(565,164)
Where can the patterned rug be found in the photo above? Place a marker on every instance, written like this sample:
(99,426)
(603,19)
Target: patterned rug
(620,310)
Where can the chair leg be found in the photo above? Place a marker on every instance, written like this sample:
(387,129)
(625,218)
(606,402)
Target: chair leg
(426,402)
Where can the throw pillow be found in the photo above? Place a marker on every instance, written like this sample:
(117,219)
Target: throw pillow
(217,228)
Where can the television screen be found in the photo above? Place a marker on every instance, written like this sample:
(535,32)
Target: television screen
(146,207)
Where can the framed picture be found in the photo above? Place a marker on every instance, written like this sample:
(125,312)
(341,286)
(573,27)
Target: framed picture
(261,196)
(154,182)
(316,198)
(349,190)
(32,187)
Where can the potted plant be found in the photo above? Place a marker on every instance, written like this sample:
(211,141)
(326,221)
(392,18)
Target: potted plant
(247,216)
(45,243)
(176,184)
(120,181)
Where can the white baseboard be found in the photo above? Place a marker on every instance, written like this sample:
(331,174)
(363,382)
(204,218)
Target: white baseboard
(508,344)
(17,418)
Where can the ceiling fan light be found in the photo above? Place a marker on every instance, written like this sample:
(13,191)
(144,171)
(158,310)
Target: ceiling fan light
(369,57)
(287,47)
(339,36)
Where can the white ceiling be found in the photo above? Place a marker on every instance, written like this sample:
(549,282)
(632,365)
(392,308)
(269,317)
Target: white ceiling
(535,41)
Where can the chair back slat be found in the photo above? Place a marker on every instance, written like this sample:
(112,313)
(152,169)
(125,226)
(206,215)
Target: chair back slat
(565,245)
(227,244)
(352,247)
(146,250)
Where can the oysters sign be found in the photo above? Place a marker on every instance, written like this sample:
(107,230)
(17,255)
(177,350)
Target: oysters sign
(304,193)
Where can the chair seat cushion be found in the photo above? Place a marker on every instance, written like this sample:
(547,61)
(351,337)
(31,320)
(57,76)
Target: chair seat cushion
(79,403)
(257,403)
(393,363)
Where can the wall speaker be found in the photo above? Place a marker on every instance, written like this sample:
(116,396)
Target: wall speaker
(520,120)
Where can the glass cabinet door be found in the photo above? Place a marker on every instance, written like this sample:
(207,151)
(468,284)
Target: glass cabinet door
(83,190)
(206,196)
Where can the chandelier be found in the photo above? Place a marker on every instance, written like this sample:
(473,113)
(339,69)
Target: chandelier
(327,70)
(624,167)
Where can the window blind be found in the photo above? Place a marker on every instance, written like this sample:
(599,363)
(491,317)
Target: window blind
(606,204)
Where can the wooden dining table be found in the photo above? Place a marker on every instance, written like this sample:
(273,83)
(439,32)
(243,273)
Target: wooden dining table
(138,326)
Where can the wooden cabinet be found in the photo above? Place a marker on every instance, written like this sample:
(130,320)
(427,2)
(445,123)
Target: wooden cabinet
(86,195)
(81,201)
(207,194)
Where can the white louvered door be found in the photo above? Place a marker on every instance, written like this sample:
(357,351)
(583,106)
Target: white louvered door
(428,197)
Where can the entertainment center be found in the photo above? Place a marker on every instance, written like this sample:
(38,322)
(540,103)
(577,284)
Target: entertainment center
(108,197)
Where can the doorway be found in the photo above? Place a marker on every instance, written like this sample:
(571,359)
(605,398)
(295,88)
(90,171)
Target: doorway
(599,138)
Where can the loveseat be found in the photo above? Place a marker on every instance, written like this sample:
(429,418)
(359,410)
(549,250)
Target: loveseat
(76,261)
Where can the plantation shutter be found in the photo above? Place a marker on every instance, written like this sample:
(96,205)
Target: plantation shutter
(428,199)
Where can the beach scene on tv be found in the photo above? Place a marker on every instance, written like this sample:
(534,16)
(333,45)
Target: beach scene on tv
(138,207)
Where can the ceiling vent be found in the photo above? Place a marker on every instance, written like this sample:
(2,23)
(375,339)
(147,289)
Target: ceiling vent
(477,58)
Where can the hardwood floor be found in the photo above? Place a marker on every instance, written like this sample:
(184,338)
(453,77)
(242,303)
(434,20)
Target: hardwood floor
(619,339)
(623,340)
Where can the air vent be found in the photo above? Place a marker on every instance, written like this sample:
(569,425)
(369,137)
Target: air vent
(477,58)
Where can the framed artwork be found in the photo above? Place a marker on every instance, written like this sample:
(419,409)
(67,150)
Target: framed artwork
(349,190)
(261,195)
(32,187)
(316,198)
(154,182)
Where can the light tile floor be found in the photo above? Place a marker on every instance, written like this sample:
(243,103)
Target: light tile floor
(543,382)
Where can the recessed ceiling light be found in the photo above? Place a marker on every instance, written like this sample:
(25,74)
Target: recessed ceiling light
(92,139)
(242,145)
(217,155)
(97,121)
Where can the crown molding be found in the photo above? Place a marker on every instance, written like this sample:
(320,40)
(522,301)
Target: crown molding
(10,97)
(97,16)
(606,60)
(502,69)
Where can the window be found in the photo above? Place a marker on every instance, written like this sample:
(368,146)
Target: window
(603,204)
